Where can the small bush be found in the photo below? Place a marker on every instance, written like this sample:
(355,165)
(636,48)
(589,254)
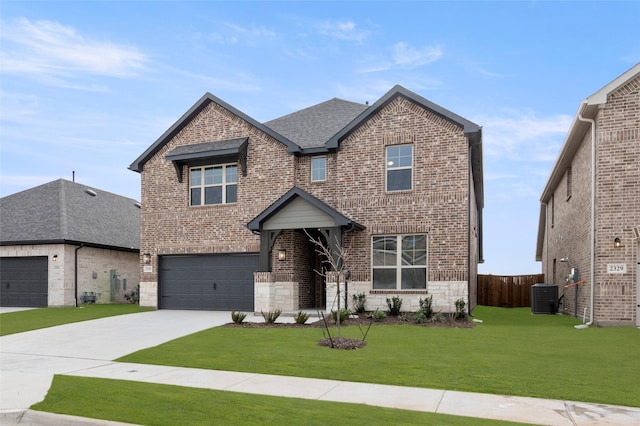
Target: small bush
(420,317)
(394,304)
(359,302)
(301,317)
(238,317)
(439,317)
(426,307)
(461,313)
(134,296)
(379,315)
(270,317)
(344,314)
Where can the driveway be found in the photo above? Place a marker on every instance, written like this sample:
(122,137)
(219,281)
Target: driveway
(29,360)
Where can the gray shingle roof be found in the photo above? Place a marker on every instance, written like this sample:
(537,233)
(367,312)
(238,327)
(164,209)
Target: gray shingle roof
(64,211)
(312,127)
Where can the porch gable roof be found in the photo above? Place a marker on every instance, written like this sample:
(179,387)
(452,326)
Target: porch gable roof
(295,193)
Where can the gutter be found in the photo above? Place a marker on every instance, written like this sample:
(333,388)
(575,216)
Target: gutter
(593,209)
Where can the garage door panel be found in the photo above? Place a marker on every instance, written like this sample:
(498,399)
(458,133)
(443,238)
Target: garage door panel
(24,281)
(207,282)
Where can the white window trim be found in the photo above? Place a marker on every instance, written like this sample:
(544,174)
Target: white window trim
(386,168)
(398,267)
(325,168)
(202,186)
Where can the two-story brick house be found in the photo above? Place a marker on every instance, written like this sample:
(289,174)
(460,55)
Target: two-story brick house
(229,205)
(590,208)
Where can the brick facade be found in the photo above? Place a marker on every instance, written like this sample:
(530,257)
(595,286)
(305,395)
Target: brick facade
(617,213)
(438,205)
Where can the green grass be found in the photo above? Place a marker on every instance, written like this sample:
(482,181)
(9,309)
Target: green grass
(33,319)
(152,404)
(512,352)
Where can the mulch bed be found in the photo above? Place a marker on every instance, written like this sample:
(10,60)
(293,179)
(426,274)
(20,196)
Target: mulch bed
(362,320)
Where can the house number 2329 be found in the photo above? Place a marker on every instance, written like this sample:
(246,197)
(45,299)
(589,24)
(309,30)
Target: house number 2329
(617,268)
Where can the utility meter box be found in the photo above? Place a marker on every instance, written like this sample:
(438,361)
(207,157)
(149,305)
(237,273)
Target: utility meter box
(573,275)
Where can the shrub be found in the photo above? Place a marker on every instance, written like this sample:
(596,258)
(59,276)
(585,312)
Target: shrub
(301,317)
(134,296)
(439,317)
(426,307)
(461,313)
(238,317)
(394,304)
(344,314)
(379,315)
(270,317)
(359,302)
(420,317)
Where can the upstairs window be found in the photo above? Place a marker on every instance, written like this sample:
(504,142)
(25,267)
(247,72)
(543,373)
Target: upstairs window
(399,262)
(399,167)
(318,169)
(213,185)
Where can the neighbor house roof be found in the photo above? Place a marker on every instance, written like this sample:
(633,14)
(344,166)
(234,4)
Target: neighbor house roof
(588,109)
(65,212)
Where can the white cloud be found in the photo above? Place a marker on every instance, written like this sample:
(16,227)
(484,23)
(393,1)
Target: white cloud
(411,57)
(342,30)
(523,136)
(56,54)
(236,34)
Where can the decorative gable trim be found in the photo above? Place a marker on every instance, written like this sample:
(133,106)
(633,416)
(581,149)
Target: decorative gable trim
(294,193)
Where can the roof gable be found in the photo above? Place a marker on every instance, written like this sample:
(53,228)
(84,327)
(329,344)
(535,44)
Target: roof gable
(471,130)
(309,201)
(138,164)
(63,211)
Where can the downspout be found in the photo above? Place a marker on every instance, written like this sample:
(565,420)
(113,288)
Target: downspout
(75,268)
(469,235)
(593,210)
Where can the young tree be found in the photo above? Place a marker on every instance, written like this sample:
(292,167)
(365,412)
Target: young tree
(334,260)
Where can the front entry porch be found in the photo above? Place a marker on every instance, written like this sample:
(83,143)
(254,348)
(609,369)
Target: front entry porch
(292,272)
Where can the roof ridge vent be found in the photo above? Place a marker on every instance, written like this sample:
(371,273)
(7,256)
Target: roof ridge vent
(90,192)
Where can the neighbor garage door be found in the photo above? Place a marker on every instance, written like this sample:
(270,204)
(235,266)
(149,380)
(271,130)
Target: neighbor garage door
(221,282)
(24,281)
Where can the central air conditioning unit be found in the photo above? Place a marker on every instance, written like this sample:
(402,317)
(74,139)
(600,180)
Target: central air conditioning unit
(544,299)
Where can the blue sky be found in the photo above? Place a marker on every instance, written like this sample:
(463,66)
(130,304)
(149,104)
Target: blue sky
(88,86)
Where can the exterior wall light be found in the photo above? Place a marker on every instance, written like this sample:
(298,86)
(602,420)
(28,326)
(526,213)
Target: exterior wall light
(617,243)
(282,255)
(146,258)
(55,258)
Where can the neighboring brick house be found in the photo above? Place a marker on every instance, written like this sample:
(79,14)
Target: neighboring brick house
(226,201)
(603,247)
(64,243)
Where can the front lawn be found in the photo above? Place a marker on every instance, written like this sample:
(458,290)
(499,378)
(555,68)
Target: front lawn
(21,321)
(152,404)
(512,352)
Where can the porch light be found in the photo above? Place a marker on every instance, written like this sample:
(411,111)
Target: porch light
(146,258)
(55,258)
(617,243)
(282,255)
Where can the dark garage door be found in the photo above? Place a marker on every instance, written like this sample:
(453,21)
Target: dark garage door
(24,281)
(221,282)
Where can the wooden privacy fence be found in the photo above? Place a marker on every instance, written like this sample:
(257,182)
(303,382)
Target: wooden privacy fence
(507,291)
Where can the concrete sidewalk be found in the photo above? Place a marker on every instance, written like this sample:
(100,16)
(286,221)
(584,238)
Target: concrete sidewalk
(29,361)
(515,409)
